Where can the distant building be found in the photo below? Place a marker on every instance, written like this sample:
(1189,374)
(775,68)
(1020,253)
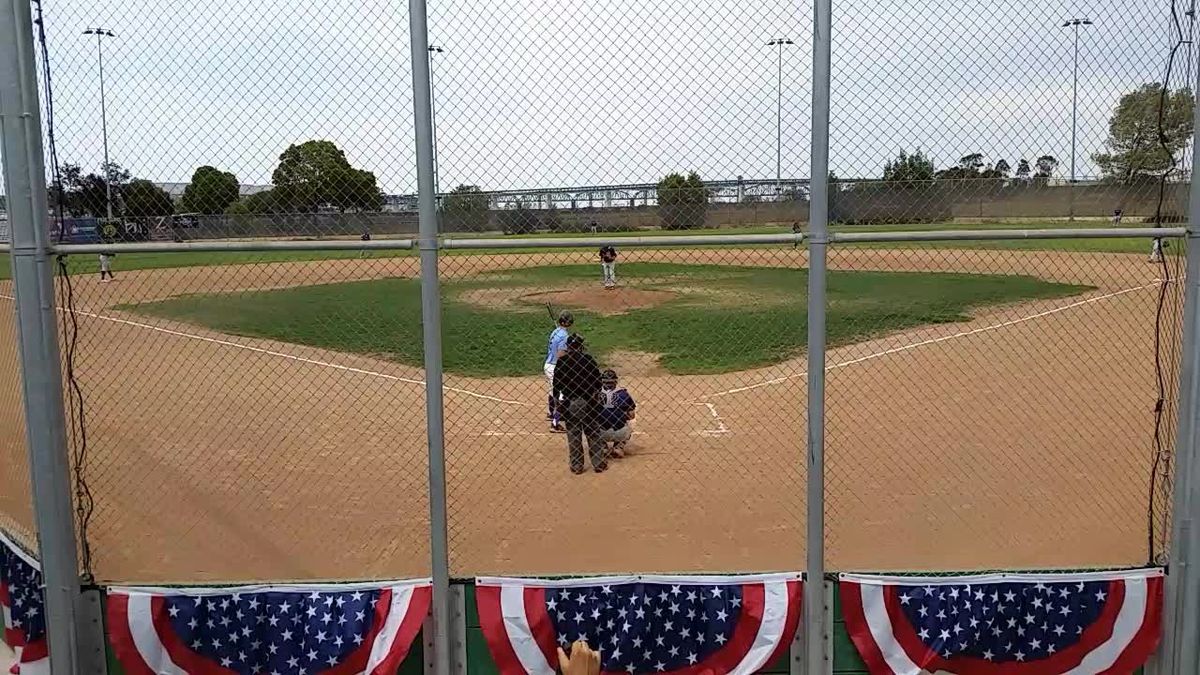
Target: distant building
(399,202)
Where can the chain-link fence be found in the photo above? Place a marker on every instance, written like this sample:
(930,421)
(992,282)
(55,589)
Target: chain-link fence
(705,483)
(16,502)
(255,407)
(1020,111)
(1017,423)
(276,401)
(1000,403)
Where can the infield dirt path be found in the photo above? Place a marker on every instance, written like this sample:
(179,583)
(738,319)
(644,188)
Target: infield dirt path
(1021,438)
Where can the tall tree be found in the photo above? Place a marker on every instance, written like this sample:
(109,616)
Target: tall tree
(63,190)
(1002,167)
(1046,164)
(1023,170)
(115,174)
(211,191)
(909,169)
(971,163)
(316,174)
(358,192)
(465,208)
(968,167)
(258,203)
(518,220)
(87,195)
(682,201)
(1135,145)
(144,199)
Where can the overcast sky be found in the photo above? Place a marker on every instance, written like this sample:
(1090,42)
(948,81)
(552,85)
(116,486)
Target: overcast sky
(574,92)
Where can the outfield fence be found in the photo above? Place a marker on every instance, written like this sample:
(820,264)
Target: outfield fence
(912,303)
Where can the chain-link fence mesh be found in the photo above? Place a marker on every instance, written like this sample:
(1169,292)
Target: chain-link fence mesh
(216,121)
(1043,410)
(999,398)
(16,499)
(586,117)
(708,481)
(1014,425)
(1022,111)
(225,120)
(244,420)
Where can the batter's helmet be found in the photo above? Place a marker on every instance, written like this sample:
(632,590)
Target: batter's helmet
(565,318)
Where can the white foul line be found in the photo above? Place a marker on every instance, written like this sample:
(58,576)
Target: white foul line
(944,338)
(291,357)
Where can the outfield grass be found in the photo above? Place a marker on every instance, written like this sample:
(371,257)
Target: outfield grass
(718,319)
(89,264)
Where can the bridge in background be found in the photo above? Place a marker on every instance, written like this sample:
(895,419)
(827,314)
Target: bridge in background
(629,195)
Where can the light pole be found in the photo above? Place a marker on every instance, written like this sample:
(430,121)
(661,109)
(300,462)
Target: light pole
(434,49)
(778,43)
(100,34)
(1074,24)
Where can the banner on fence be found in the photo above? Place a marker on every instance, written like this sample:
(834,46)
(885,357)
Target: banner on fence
(641,624)
(345,628)
(23,608)
(1095,622)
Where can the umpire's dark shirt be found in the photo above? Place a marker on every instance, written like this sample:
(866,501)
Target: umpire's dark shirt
(576,376)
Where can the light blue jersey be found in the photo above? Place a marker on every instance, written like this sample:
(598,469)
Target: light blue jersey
(558,342)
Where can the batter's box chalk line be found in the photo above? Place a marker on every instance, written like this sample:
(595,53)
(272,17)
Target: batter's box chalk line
(719,427)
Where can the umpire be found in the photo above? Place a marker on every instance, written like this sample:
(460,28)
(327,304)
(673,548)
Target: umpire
(577,382)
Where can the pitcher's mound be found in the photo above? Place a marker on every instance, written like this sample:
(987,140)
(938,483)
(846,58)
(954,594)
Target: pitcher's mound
(604,301)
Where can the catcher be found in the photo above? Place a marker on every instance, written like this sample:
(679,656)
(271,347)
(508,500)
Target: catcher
(617,410)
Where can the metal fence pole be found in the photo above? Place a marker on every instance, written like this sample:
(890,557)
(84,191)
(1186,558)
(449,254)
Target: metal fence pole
(33,290)
(818,243)
(431,319)
(1181,643)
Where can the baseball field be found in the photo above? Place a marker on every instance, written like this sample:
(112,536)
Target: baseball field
(254,416)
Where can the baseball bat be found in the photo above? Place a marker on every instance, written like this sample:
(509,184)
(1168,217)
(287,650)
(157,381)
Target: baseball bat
(550,309)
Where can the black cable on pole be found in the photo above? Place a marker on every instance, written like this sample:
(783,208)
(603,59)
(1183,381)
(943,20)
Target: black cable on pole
(1166,282)
(85,503)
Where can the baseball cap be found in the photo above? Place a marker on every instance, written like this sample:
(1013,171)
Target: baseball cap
(609,375)
(566,317)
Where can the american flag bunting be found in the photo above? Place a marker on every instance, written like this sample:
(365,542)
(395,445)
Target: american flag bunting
(1005,624)
(23,608)
(645,624)
(344,629)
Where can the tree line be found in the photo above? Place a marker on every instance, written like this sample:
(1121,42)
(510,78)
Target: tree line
(311,176)
(1149,127)
(1146,133)
(917,168)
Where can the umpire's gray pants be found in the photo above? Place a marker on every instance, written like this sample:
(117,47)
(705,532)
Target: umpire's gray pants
(581,422)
